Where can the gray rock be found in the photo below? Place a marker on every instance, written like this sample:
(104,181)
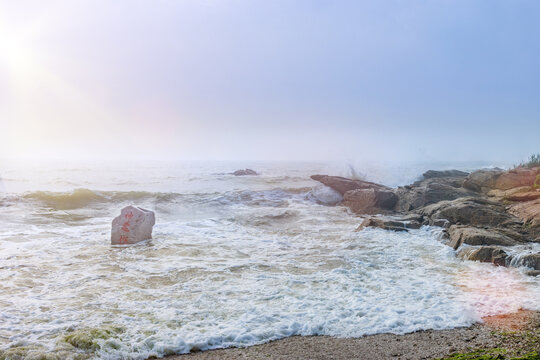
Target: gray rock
(475,236)
(430,191)
(134,224)
(473,211)
(532,272)
(244,172)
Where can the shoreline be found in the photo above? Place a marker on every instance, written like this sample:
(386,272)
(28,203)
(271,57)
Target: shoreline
(508,336)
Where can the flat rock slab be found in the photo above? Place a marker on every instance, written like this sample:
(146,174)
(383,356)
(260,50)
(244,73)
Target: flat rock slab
(388,223)
(475,236)
(134,224)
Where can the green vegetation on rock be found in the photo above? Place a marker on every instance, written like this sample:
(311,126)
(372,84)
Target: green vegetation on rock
(88,339)
(491,354)
(534,161)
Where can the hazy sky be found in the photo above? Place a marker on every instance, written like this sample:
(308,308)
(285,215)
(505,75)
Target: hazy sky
(270,80)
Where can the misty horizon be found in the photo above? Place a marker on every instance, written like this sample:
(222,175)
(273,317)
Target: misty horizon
(303,81)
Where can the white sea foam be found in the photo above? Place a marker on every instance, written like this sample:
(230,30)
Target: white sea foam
(259,259)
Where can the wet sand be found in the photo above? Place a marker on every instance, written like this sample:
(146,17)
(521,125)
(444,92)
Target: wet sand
(517,334)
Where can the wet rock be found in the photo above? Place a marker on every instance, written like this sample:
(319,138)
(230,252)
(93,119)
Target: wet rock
(532,272)
(489,254)
(482,180)
(244,172)
(369,201)
(134,224)
(388,223)
(476,236)
(342,185)
(531,260)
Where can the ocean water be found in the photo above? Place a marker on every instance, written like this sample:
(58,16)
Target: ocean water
(234,261)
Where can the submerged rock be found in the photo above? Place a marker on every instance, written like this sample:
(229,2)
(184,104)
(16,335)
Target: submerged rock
(490,254)
(244,172)
(476,236)
(388,223)
(134,224)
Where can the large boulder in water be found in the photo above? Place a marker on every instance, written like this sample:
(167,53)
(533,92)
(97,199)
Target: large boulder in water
(134,224)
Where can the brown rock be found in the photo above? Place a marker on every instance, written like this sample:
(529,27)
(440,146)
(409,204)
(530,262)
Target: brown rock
(369,201)
(523,196)
(490,254)
(342,185)
(528,211)
(515,178)
(482,180)
(475,236)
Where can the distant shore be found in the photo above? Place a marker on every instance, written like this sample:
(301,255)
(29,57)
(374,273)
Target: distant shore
(511,336)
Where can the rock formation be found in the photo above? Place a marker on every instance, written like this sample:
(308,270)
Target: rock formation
(483,210)
(134,224)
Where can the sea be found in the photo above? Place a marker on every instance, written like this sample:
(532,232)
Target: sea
(234,261)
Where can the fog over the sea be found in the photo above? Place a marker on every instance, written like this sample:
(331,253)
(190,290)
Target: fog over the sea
(270,80)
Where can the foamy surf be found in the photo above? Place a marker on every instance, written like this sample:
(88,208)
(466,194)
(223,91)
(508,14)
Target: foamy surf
(256,260)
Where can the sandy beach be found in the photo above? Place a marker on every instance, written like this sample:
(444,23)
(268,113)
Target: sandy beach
(511,336)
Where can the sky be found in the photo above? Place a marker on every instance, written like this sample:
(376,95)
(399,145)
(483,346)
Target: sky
(270,80)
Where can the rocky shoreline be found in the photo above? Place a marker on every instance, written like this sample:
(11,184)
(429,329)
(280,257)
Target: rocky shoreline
(482,212)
